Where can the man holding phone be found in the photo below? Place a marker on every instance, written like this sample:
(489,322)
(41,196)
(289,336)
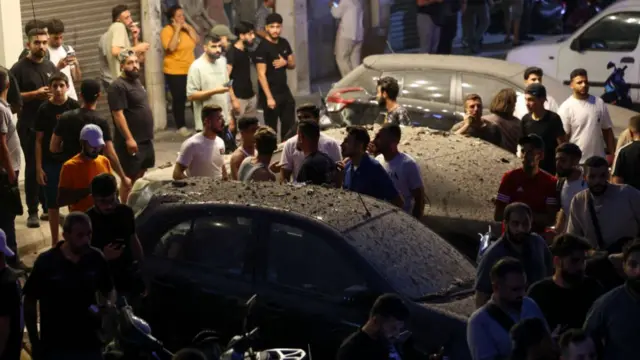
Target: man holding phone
(474,125)
(63,55)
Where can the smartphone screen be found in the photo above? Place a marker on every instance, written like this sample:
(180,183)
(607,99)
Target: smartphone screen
(229,83)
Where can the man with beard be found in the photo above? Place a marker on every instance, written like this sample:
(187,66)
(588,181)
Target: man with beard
(387,96)
(32,75)
(474,125)
(203,153)
(243,97)
(274,57)
(517,242)
(586,119)
(489,326)
(626,168)
(226,36)
(530,185)
(613,319)
(604,213)
(317,167)
(566,297)
(78,172)
(129,105)
(114,233)
(575,344)
(532,75)
(65,283)
(570,181)
(207,81)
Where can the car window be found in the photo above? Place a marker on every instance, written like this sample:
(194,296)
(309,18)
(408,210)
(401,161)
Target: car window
(615,32)
(424,85)
(485,86)
(305,261)
(361,77)
(214,242)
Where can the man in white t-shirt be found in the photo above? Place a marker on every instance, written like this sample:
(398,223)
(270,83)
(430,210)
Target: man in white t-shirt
(586,120)
(59,52)
(532,75)
(292,157)
(570,180)
(402,168)
(203,153)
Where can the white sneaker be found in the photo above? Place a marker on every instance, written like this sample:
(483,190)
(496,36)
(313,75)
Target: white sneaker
(184,131)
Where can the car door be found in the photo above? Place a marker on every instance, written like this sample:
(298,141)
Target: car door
(310,272)
(210,275)
(612,37)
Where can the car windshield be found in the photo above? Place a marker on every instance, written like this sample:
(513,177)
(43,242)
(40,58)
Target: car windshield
(414,260)
(363,77)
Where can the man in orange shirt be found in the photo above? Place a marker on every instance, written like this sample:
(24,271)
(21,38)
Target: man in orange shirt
(74,188)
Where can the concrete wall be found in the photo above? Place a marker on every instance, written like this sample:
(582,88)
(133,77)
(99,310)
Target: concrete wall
(10,32)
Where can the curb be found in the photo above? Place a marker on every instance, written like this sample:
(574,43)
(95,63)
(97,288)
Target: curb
(31,241)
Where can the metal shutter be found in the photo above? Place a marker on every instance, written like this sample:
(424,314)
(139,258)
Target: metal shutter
(84,22)
(403,31)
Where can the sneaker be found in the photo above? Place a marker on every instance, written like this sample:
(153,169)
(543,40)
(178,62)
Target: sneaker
(33,221)
(184,131)
(44,217)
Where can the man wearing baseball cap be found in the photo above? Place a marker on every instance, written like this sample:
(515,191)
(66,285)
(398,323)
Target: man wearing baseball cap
(77,173)
(225,34)
(10,305)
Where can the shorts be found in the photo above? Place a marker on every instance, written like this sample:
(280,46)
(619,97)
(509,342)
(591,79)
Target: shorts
(52,171)
(513,7)
(144,159)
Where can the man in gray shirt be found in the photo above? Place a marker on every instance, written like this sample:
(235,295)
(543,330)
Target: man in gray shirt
(517,242)
(614,319)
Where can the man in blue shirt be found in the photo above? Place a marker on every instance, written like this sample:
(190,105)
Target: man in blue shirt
(364,174)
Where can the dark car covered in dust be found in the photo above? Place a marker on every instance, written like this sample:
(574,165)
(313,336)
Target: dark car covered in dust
(316,257)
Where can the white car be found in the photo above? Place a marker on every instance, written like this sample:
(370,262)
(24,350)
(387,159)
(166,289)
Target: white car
(611,35)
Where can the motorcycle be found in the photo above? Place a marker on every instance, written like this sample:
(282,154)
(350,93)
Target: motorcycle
(616,89)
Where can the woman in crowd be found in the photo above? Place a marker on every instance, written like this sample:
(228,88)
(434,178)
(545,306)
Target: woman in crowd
(179,41)
(502,107)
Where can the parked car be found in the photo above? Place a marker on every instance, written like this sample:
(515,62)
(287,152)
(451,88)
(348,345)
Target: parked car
(316,257)
(433,87)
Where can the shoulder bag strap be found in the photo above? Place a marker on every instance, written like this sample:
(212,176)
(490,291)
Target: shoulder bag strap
(500,317)
(594,220)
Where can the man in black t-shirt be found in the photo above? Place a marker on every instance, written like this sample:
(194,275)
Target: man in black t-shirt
(243,98)
(626,167)
(132,115)
(32,74)
(544,123)
(47,166)
(317,167)
(65,282)
(273,58)
(114,233)
(10,306)
(565,298)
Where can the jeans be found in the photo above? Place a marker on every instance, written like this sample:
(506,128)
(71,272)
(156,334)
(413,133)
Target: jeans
(347,54)
(178,88)
(34,193)
(475,22)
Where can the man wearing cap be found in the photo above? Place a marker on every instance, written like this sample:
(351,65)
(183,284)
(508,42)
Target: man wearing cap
(129,105)
(529,185)
(544,123)
(274,57)
(77,173)
(532,75)
(11,328)
(225,35)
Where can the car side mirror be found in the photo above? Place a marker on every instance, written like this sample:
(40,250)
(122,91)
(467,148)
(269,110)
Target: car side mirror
(359,296)
(577,45)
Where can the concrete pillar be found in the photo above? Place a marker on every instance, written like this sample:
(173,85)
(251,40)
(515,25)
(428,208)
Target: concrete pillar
(10,32)
(151,26)
(294,29)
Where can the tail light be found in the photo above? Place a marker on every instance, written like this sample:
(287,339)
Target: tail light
(335,101)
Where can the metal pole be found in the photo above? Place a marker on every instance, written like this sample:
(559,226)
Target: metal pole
(151,11)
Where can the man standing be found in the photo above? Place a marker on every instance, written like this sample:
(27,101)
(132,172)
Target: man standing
(530,185)
(203,153)
(226,36)
(387,96)
(207,81)
(431,14)
(566,297)
(243,97)
(59,52)
(350,33)
(78,172)
(474,125)
(543,123)
(489,326)
(273,58)
(11,327)
(64,283)
(247,127)
(256,168)
(518,242)
(266,8)
(586,119)
(32,74)
(475,22)
(626,168)
(30,25)
(317,168)
(532,75)
(10,159)
(570,181)
(129,105)
(403,170)
(292,158)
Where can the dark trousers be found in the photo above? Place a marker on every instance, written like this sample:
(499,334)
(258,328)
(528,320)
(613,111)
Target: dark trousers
(34,194)
(525,22)
(178,88)
(448,32)
(285,110)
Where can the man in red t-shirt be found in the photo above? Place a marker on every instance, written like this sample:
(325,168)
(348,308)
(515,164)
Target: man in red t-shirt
(530,185)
